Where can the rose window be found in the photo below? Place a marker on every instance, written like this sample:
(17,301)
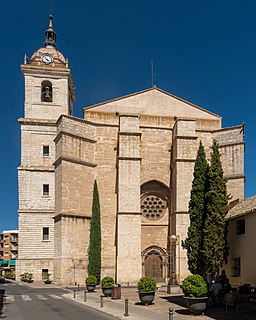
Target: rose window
(153,207)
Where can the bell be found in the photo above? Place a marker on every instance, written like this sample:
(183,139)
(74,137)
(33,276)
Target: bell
(47,92)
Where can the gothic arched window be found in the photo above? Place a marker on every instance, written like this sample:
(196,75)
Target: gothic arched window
(46,91)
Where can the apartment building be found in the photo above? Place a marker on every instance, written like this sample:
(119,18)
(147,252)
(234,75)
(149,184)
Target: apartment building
(8,250)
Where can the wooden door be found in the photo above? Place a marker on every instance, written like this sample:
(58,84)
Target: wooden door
(153,266)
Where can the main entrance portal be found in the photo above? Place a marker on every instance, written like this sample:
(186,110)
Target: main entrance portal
(153,266)
(155,263)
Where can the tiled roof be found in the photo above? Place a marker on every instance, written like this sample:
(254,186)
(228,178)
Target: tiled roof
(243,207)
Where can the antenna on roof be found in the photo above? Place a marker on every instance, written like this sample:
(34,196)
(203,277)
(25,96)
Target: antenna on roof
(153,74)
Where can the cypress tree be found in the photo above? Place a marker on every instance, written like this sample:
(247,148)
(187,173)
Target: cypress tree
(194,242)
(215,229)
(94,249)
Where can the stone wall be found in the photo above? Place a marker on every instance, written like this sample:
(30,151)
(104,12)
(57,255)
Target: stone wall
(71,244)
(35,253)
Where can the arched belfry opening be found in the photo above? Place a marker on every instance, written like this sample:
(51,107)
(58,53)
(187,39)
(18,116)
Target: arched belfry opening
(46,91)
(155,205)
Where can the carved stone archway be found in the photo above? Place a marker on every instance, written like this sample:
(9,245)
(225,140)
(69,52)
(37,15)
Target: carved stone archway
(155,263)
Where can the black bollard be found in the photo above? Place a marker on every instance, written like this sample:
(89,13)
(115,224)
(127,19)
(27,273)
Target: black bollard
(74,293)
(126,314)
(78,286)
(170,313)
(101,301)
(85,300)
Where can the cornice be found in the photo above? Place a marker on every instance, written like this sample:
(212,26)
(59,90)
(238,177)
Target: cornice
(71,216)
(46,211)
(231,144)
(38,122)
(40,69)
(130,158)
(73,160)
(235,176)
(37,168)
(72,135)
(127,133)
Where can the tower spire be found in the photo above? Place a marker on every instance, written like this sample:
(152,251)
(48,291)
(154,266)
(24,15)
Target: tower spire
(50,36)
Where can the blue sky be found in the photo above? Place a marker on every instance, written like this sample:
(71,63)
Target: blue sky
(203,52)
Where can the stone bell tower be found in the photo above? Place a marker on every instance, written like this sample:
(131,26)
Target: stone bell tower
(49,93)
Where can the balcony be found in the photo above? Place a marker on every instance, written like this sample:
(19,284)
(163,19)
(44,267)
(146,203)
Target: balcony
(14,248)
(14,239)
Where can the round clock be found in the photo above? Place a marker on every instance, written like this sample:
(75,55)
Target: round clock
(47,59)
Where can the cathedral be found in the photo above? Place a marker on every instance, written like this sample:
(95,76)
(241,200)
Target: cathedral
(140,149)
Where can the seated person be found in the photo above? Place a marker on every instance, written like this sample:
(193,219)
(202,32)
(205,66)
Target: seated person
(245,293)
(223,278)
(215,288)
(227,286)
(244,290)
(216,292)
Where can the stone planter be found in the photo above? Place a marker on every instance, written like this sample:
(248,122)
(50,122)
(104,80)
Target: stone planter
(107,291)
(47,281)
(90,287)
(147,297)
(196,305)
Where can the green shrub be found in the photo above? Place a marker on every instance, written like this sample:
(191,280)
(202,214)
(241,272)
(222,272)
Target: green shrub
(107,282)
(146,284)
(47,276)
(26,277)
(194,286)
(29,277)
(91,280)
(22,277)
(9,274)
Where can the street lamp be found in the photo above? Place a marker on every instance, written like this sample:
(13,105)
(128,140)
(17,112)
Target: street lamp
(173,240)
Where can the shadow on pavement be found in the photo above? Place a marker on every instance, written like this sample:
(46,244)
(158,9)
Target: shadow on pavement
(179,300)
(2,291)
(213,312)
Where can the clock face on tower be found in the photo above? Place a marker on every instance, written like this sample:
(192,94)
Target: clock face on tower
(47,59)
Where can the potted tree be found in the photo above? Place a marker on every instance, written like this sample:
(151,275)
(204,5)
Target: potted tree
(47,278)
(29,277)
(106,284)
(91,282)
(195,291)
(26,277)
(147,289)
(23,277)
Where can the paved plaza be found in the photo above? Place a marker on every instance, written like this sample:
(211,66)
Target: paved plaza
(159,310)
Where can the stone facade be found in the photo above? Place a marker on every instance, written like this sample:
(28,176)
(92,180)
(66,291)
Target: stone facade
(140,148)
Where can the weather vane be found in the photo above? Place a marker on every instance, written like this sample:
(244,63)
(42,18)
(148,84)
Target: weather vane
(51,8)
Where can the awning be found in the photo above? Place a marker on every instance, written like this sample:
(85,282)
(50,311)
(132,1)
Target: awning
(12,263)
(5,263)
